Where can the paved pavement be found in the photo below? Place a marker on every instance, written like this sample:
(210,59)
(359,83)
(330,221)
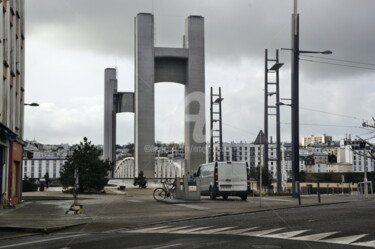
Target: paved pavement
(44,212)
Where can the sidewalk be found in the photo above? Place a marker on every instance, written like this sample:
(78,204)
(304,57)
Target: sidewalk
(44,212)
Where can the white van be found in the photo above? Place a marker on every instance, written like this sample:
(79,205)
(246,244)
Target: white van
(223,179)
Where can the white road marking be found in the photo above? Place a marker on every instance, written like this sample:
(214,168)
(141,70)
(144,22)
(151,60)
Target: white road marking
(268,233)
(138,201)
(344,240)
(40,241)
(370,243)
(314,237)
(144,230)
(192,206)
(191,230)
(262,232)
(215,230)
(167,246)
(238,231)
(273,199)
(170,230)
(286,235)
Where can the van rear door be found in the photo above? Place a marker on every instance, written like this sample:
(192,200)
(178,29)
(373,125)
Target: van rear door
(232,176)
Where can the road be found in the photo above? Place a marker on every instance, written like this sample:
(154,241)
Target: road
(347,225)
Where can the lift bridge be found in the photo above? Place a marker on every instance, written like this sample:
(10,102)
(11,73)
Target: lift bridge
(164,168)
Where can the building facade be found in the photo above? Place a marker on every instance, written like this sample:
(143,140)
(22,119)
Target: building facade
(12,92)
(322,139)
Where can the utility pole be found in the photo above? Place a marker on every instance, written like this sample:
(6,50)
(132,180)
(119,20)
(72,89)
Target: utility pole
(274,83)
(217,118)
(295,100)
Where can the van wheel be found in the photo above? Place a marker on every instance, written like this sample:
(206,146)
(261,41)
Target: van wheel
(213,193)
(225,197)
(244,197)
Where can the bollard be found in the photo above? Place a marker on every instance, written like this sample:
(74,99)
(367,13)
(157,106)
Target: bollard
(299,193)
(318,187)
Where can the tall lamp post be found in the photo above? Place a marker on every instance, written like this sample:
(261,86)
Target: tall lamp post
(295,96)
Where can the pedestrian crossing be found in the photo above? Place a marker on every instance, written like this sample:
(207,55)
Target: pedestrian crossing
(274,233)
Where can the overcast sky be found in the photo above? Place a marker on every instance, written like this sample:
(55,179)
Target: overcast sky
(69,43)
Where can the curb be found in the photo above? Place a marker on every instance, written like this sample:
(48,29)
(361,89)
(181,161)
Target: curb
(51,198)
(34,230)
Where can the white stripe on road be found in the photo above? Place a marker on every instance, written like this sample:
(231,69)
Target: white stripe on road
(344,240)
(314,237)
(237,231)
(171,230)
(262,232)
(367,243)
(214,231)
(43,240)
(285,235)
(191,230)
(192,206)
(167,246)
(138,201)
(144,230)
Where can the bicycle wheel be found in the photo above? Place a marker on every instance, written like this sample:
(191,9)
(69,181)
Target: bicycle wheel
(159,194)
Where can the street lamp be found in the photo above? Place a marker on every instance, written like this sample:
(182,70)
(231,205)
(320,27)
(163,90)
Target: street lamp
(32,104)
(295,96)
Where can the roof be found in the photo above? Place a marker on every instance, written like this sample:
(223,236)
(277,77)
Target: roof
(261,138)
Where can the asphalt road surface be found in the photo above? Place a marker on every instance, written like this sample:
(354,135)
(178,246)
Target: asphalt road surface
(348,225)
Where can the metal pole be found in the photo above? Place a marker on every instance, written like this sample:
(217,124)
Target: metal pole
(365,170)
(295,99)
(211,157)
(299,194)
(318,188)
(278,145)
(260,176)
(221,128)
(265,156)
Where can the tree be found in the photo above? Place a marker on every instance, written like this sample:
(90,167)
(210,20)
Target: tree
(266,176)
(92,171)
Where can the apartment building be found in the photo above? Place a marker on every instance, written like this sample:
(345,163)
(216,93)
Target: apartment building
(12,92)
(322,139)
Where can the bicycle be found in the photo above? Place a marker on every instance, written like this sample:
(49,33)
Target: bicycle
(165,192)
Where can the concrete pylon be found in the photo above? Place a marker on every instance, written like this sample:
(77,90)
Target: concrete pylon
(153,65)
(110,91)
(180,65)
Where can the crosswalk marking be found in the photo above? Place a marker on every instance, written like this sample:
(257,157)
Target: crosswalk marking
(192,206)
(314,237)
(137,201)
(345,240)
(215,230)
(255,232)
(191,230)
(262,232)
(144,230)
(171,229)
(286,235)
(237,231)
(367,243)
